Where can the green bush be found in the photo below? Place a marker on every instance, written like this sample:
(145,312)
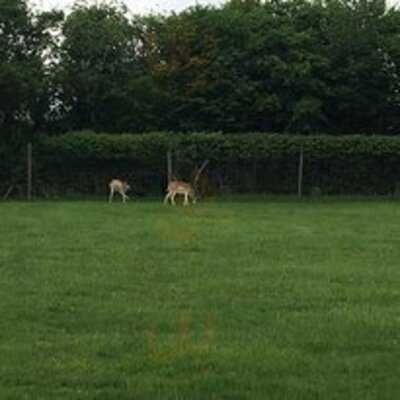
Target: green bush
(221,147)
(83,162)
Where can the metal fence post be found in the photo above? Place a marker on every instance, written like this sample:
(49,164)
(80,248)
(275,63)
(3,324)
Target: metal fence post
(300,173)
(29,172)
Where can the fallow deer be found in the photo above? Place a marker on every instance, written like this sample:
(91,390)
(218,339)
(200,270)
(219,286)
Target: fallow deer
(120,187)
(179,187)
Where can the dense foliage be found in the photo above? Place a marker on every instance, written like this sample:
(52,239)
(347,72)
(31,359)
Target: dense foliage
(295,68)
(259,163)
(218,147)
(282,66)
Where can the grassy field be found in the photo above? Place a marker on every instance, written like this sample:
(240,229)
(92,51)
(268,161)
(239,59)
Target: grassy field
(266,299)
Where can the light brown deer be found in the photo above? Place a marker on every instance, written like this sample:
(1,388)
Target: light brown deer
(120,187)
(179,187)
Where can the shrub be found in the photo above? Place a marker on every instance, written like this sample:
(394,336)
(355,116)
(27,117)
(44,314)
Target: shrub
(253,162)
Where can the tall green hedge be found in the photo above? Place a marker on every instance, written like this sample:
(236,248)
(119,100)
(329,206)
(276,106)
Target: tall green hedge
(150,147)
(83,162)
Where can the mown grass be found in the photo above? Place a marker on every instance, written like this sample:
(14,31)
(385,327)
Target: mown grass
(268,299)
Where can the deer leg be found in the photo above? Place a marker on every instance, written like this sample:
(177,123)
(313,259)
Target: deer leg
(186,202)
(124,196)
(173,199)
(166,198)
(110,199)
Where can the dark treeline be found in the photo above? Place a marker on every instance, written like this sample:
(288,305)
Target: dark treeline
(292,66)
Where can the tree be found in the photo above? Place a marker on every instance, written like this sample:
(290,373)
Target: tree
(283,66)
(244,67)
(300,66)
(355,38)
(100,83)
(24,39)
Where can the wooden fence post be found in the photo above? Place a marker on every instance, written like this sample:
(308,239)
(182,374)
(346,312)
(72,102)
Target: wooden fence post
(300,173)
(29,172)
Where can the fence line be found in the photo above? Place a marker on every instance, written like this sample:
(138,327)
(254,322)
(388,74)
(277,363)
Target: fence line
(49,177)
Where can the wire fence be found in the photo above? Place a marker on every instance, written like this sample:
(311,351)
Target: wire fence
(38,177)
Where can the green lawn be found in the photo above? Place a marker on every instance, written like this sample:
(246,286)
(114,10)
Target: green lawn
(263,299)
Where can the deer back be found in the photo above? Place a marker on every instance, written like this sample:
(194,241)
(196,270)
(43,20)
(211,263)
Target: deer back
(173,186)
(118,185)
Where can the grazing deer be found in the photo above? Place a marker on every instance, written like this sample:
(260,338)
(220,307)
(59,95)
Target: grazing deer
(120,187)
(179,187)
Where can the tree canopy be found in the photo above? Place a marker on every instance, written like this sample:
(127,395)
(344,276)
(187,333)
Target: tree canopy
(285,66)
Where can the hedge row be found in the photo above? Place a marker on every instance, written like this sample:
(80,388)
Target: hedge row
(83,162)
(151,147)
